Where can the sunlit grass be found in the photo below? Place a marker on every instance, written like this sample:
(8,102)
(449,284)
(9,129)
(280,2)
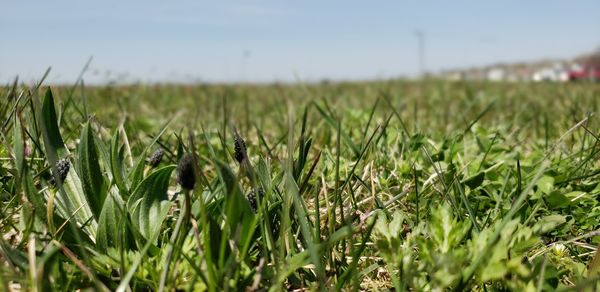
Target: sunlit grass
(412,186)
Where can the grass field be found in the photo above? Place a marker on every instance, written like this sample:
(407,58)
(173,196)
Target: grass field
(382,185)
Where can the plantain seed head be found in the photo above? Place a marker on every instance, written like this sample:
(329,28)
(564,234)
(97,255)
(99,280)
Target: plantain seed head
(62,168)
(156,157)
(185,172)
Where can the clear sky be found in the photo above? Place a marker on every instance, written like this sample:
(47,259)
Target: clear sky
(282,40)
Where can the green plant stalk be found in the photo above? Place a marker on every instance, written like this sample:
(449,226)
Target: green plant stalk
(177,237)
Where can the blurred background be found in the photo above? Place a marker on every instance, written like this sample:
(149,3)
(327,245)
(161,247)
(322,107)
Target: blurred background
(302,41)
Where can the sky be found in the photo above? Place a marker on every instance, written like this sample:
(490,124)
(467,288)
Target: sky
(289,41)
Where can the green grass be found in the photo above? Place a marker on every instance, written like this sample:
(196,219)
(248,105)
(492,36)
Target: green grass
(382,185)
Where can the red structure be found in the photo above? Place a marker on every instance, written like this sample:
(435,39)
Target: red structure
(586,73)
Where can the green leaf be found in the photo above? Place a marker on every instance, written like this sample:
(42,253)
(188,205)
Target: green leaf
(292,264)
(263,173)
(116,164)
(557,200)
(594,266)
(545,184)
(51,132)
(92,180)
(26,180)
(32,195)
(333,123)
(446,231)
(136,176)
(548,223)
(123,285)
(576,196)
(18,146)
(149,204)
(494,271)
(475,180)
(236,205)
(71,200)
(108,224)
(216,235)
(300,209)
(14,256)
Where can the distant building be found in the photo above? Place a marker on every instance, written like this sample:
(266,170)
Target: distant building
(555,73)
(584,67)
(496,74)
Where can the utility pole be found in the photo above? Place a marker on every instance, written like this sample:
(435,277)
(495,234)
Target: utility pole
(421,44)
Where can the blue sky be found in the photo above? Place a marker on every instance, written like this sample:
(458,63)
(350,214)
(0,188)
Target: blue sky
(262,41)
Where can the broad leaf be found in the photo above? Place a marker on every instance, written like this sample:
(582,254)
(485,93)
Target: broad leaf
(149,204)
(71,200)
(475,180)
(548,223)
(111,225)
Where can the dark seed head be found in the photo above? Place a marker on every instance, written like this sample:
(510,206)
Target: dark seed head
(156,157)
(240,148)
(253,197)
(62,168)
(185,172)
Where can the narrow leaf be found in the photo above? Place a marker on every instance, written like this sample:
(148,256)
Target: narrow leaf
(116,164)
(92,179)
(51,133)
